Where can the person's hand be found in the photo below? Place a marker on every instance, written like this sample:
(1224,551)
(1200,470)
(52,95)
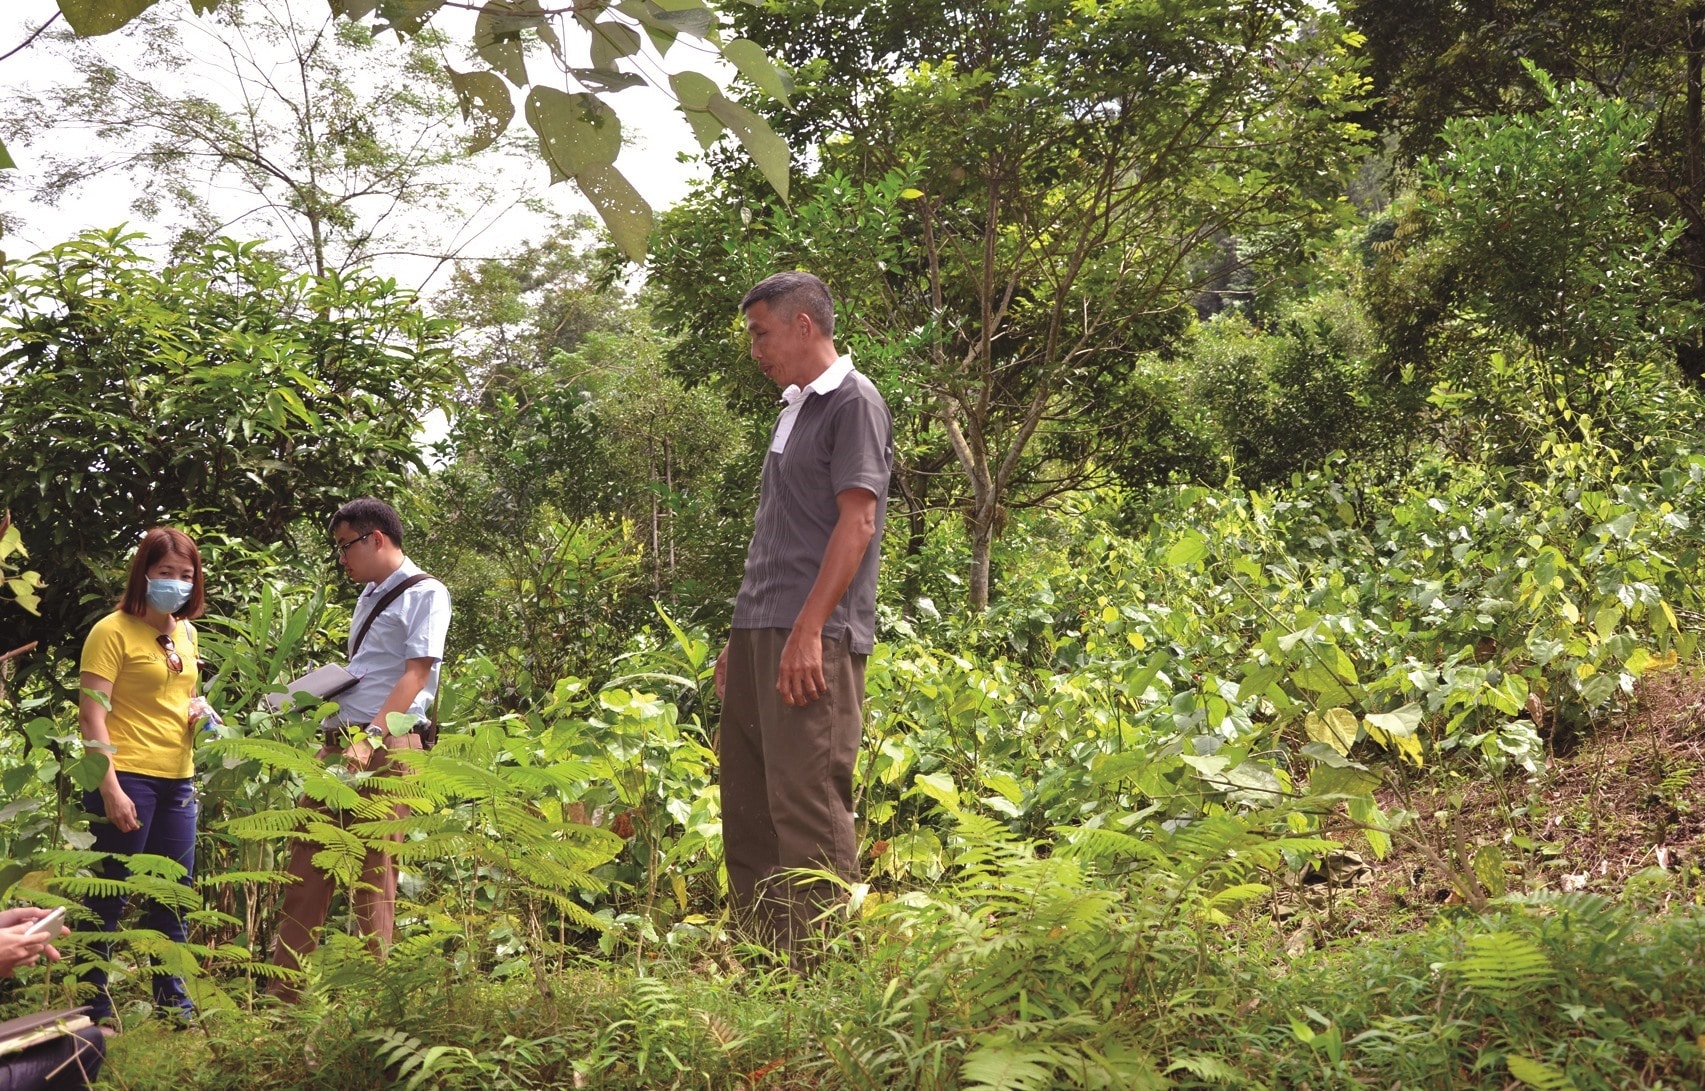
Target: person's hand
(27,914)
(18,949)
(800,678)
(121,812)
(358,753)
(202,714)
(721,675)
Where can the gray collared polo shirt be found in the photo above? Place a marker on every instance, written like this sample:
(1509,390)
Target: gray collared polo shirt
(841,439)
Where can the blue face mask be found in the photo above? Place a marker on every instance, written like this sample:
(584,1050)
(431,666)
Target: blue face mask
(169,596)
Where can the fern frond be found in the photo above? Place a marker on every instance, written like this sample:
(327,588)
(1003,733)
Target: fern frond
(237,878)
(332,792)
(1503,965)
(1234,896)
(1100,843)
(1205,1066)
(576,913)
(270,823)
(1538,1074)
(438,847)
(275,755)
(1006,1067)
(343,854)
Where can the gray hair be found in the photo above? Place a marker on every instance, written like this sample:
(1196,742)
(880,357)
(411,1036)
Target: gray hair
(792,293)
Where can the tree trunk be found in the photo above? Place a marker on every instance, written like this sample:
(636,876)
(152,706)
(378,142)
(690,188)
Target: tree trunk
(982,520)
(1690,356)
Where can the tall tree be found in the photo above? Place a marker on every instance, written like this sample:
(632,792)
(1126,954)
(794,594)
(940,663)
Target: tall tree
(1043,189)
(1432,60)
(579,133)
(269,119)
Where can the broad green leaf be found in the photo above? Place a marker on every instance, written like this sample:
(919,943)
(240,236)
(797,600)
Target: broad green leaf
(1188,550)
(694,93)
(625,213)
(604,79)
(1401,721)
(1326,755)
(1343,780)
(499,42)
(1401,741)
(748,57)
(612,41)
(23,589)
(1365,810)
(664,22)
(486,105)
(939,787)
(89,18)
(576,132)
(1336,727)
(1006,784)
(405,17)
(1607,618)
(1256,781)
(6,158)
(1207,766)
(1489,869)
(1257,681)
(1116,767)
(767,149)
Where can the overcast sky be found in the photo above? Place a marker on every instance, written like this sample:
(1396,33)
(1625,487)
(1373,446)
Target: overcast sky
(657,135)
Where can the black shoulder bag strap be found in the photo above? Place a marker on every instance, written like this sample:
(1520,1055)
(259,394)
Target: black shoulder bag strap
(390,597)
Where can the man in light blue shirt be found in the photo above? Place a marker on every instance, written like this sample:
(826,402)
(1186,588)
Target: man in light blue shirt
(396,642)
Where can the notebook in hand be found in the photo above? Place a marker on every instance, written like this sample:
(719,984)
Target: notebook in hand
(27,1030)
(322,682)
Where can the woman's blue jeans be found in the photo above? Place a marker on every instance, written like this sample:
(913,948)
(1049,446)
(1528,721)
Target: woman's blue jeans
(166,809)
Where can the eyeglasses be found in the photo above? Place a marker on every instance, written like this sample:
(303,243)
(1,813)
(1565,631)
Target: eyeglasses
(345,547)
(174,661)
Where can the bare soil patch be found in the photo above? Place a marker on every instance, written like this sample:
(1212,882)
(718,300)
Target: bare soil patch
(1626,805)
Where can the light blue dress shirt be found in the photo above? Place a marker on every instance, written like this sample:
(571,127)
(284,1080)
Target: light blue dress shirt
(412,627)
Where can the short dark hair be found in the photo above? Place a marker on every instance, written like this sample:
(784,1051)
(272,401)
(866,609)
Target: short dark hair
(157,545)
(368,514)
(795,292)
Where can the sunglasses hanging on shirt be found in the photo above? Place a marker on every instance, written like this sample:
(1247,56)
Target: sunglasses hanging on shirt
(174,661)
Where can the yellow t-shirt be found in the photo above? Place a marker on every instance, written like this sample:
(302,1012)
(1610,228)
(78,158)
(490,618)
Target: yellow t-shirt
(149,719)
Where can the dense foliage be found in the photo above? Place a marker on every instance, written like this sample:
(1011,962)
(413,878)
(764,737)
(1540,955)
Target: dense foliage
(1249,541)
(222,390)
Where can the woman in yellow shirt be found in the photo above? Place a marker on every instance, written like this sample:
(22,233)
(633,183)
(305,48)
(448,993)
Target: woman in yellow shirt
(138,679)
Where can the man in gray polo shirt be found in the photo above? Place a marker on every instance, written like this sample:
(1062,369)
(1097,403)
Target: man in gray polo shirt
(792,674)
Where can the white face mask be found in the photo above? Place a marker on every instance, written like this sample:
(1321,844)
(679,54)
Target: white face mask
(169,596)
